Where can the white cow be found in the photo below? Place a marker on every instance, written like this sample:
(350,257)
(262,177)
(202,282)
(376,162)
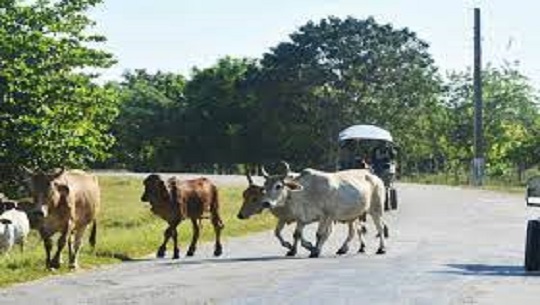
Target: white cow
(252,205)
(14,227)
(327,197)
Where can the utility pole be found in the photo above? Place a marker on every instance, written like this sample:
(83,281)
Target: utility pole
(478,160)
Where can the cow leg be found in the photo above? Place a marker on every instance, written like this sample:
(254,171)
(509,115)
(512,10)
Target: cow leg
(350,235)
(381,227)
(277,232)
(176,249)
(194,237)
(166,235)
(299,236)
(325,227)
(48,244)
(361,230)
(218,227)
(55,263)
(77,244)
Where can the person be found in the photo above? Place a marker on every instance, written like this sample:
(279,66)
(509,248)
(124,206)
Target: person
(382,156)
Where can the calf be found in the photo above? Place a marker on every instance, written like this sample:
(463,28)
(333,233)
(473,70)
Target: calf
(178,200)
(69,201)
(14,227)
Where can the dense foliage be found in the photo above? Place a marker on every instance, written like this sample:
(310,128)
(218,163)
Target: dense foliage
(51,113)
(290,104)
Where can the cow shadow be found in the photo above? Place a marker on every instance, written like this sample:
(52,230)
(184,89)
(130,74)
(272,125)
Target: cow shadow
(123,257)
(489,270)
(217,260)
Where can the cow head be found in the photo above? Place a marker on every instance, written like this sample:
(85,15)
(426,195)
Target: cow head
(6,205)
(44,190)
(155,190)
(252,203)
(278,187)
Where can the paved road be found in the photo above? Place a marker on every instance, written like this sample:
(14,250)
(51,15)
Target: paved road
(448,246)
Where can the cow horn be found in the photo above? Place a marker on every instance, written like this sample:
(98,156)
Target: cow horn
(27,170)
(286,166)
(264,172)
(248,176)
(57,173)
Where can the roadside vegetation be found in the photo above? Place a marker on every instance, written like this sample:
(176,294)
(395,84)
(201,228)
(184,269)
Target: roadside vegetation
(127,230)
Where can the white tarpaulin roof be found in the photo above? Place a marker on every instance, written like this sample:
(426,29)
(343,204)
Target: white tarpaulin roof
(368,132)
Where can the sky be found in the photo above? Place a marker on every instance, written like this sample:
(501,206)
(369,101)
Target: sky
(176,35)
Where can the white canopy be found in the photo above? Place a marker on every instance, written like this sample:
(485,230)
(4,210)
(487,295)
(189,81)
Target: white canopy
(367,132)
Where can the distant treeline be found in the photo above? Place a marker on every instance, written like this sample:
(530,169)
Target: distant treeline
(288,105)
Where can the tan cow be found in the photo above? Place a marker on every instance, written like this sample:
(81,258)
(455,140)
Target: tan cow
(69,201)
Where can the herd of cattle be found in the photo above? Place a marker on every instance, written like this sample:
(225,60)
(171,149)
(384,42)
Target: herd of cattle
(68,202)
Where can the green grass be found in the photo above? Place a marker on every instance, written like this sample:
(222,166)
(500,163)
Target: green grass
(127,230)
(507,185)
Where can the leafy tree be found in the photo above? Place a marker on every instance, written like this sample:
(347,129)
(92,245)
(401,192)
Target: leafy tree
(219,117)
(51,112)
(510,118)
(151,107)
(340,72)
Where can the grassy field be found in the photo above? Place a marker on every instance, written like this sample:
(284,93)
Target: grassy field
(127,230)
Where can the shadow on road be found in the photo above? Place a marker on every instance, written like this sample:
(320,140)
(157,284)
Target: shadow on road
(229,260)
(489,270)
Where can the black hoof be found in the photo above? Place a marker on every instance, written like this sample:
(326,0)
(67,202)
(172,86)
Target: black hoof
(291,253)
(362,249)
(218,251)
(190,253)
(176,254)
(314,253)
(381,251)
(160,253)
(342,250)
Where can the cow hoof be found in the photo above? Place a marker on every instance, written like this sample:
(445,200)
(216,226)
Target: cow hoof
(190,253)
(160,253)
(314,253)
(362,249)
(342,250)
(218,251)
(291,253)
(54,265)
(381,251)
(73,267)
(176,254)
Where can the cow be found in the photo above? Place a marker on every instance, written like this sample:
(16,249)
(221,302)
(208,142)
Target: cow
(252,204)
(177,200)
(14,226)
(342,196)
(68,201)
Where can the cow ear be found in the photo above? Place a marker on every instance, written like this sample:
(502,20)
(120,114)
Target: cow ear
(63,189)
(57,173)
(294,186)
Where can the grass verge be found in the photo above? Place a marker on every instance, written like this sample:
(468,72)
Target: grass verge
(126,230)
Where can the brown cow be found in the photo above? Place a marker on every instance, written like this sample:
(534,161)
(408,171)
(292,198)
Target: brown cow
(179,200)
(68,201)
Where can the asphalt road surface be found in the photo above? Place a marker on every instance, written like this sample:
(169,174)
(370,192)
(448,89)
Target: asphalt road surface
(447,246)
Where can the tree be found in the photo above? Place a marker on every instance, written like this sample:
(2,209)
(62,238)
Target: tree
(151,107)
(510,118)
(51,112)
(219,116)
(335,73)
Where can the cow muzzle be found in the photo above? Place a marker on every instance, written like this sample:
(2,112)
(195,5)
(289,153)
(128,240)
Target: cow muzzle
(240,216)
(266,205)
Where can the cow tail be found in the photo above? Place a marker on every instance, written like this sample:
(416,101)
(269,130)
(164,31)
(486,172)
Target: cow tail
(93,234)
